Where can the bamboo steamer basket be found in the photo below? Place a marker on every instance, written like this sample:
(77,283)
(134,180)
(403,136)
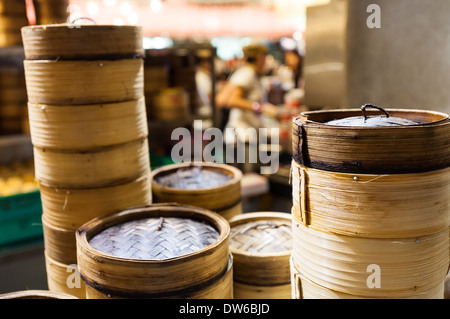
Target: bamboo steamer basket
(224,198)
(303,288)
(370,205)
(101,167)
(83,82)
(36,294)
(71,208)
(60,243)
(84,127)
(261,245)
(408,266)
(447,287)
(64,278)
(173,269)
(170,104)
(372,150)
(218,288)
(82,42)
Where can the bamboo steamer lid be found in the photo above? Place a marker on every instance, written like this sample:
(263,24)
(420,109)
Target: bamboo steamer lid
(371,205)
(83,82)
(409,266)
(372,150)
(71,208)
(303,288)
(175,248)
(261,244)
(212,186)
(36,294)
(84,127)
(64,278)
(107,166)
(75,42)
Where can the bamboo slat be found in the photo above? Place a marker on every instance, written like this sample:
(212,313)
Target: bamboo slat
(75,42)
(225,198)
(63,278)
(101,167)
(84,127)
(303,288)
(407,266)
(83,82)
(218,288)
(372,150)
(36,294)
(161,270)
(369,205)
(71,208)
(60,243)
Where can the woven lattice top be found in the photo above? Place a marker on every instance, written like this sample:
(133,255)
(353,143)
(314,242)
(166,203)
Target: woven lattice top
(262,237)
(193,177)
(154,238)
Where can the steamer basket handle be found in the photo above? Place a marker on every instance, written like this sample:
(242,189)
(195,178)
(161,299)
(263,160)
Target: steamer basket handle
(363,109)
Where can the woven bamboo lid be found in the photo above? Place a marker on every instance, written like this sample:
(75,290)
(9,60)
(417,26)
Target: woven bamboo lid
(124,253)
(261,244)
(87,41)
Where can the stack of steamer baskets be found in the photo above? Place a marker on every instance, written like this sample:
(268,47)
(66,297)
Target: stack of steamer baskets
(89,130)
(371,195)
(157,251)
(212,186)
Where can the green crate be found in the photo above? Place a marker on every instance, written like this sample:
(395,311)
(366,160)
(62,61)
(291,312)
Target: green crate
(20,218)
(157,161)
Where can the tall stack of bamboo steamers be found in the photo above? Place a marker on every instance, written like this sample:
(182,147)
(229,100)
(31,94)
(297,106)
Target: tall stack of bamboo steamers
(371,209)
(370,216)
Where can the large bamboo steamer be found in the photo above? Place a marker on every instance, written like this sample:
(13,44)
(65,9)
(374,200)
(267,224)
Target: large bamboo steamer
(408,266)
(303,288)
(71,208)
(372,150)
(371,205)
(261,245)
(64,278)
(84,127)
(106,166)
(83,82)
(81,42)
(149,270)
(36,294)
(222,198)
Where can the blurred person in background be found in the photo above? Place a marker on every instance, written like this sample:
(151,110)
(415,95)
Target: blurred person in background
(290,72)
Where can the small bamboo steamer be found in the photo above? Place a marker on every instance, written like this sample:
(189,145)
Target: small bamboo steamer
(60,243)
(84,127)
(76,42)
(409,266)
(83,82)
(101,167)
(303,288)
(152,278)
(372,150)
(71,208)
(224,199)
(369,205)
(36,294)
(64,278)
(218,288)
(261,244)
